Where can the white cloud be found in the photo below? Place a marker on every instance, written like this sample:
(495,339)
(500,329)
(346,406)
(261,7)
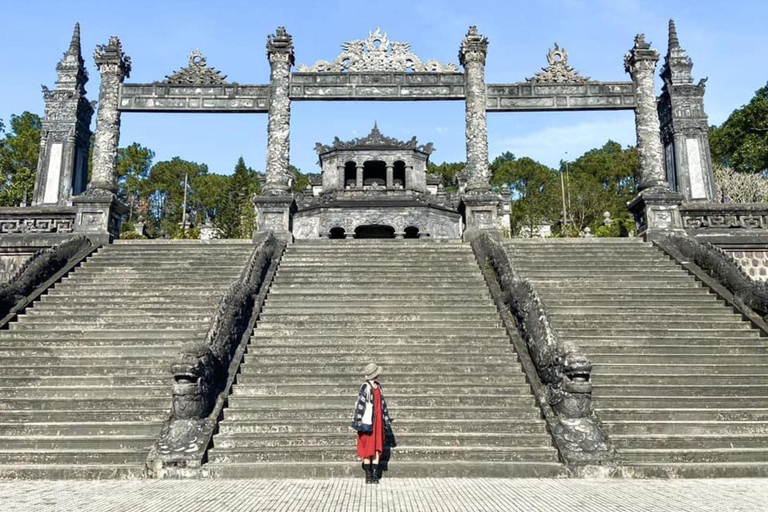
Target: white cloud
(549,145)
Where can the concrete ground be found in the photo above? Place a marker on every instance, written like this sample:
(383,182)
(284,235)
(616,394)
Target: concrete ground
(411,495)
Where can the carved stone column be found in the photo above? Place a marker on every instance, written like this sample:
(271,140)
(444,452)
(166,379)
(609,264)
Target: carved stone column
(390,176)
(472,56)
(281,58)
(655,208)
(114,67)
(359,177)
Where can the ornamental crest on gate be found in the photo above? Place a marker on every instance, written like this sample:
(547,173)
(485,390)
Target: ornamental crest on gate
(377,53)
(558,70)
(196,73)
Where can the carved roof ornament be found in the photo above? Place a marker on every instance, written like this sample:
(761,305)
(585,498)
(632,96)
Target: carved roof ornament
(377,53)
(558,70)
(375,139)
(196,73)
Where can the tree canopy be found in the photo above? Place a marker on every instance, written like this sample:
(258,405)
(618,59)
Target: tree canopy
(741,142)
(19,150)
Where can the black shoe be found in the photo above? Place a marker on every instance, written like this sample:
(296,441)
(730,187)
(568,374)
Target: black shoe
(368,468)
(376,473)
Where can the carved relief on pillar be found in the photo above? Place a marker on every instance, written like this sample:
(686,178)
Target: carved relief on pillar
(114,67)
(281,58)
(472,55)
(640,63)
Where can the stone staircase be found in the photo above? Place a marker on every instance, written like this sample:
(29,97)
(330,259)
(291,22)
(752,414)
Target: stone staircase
(85,372)
(681,381)
(457,394)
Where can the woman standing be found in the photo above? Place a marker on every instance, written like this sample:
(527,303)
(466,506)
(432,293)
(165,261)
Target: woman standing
(371,419)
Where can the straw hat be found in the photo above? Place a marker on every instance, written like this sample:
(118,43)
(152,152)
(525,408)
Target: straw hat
(372,370)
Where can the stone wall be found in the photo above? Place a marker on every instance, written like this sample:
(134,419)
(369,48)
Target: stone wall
(753,262)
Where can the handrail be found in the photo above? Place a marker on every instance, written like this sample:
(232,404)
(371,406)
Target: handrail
(49,265)
(204,373)
(558,373)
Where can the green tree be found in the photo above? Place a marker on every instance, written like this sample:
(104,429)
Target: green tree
(133,165)
(19,152)
(741,142)
(447,172)
(237,218)
(300,180)
(164,190)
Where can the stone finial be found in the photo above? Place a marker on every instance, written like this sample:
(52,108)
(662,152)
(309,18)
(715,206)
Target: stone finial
(74,45)
(641,54)
(280,46)
(474,47)
(674,42)
(71,67)
(110,59)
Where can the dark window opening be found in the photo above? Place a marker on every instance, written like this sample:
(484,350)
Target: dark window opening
(374,174)
(375,231)
(350,174)
(336,233)
(398,174)
(411,232)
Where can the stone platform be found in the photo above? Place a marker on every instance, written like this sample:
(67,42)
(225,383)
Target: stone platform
(411,495)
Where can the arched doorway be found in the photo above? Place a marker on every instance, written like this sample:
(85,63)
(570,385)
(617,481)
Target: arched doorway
(336,233)
(411,232)
(375,231)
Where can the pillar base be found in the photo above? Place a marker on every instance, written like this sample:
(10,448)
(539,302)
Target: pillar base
(99,215)
(657,213)
(274,212)
(481,214)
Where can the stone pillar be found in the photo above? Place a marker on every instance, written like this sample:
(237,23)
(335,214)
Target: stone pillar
(472,57)
(65,136)
(390,176)
(99,211)
(281,58)
(114,67)
(655,208)
(684,126)
(359,177)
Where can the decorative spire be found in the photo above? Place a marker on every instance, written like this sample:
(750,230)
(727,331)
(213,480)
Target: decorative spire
(74,46)
(674,42)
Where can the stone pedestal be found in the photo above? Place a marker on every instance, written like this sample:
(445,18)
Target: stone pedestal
(99,215)
(657,213)
(275,213)
(481,214)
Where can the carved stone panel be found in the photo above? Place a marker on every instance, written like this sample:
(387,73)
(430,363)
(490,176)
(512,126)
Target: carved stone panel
(377,86)
(533,97)
(186,98)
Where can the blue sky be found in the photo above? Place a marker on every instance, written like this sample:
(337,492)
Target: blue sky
(726,40)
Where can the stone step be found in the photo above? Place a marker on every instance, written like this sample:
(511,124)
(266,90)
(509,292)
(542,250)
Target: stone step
(687,414)
(85,443)
(414,318)
(28,419)
(575,333)
(122,296)
(712,314)
(83,360)
(693,300)
(428,426)
(746,366)
(686,427)
(49,324)
(91,471)
(347,442)
(602,274)
(338,406)
(404,453)
(324,387)
(373,330)
(351,379)
(670,323)
(86,404)
(404,469)
(62,300)
(668,441)
(680,401)
(683,389)
(379,293)
(673,349)
(735,338)
(660,359)
(489,409)
(687,455)
(109,310)
(78,392)
(158,380)
(678,380)
(82,428)
(125,288)
(71,370)
(493,339)
(169,335)
(284,310)
(434,301)
(403,349)
(74,456)
(96,317)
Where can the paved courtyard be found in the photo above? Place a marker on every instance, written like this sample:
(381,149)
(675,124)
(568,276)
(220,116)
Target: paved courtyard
(431,495)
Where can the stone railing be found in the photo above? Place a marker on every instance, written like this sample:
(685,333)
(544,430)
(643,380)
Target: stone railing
(204,372)
(39,269)
(721,266)
(37,220)
(558,373)
(724,217)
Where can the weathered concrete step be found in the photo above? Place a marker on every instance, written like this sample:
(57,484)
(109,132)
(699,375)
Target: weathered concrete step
(276,309)
(495,409)
(667,441)
(694,347)
(601,274)
(79,392)
(686,427)
(689,414)
(128,297)
(378,293)
(609,285)
(666,332)
(404,348)
(84,443)
(746,366)
(74,456)
(656,297)
(692,300)
(27,419)
(398,330)
(63,370)
(375,285)
(687,455)
(683,389)
(599,317)
(125,288)
(351,380)
(170,335)
(109,318)
(70,310)
(85,404)
(735,338)
(97,324)
(707,360)
(89,471)
(83,360)
(680,401)
(22,381)
(566,309)
(404,453)
(322,387)
(407,363)
(415,317)
(411,404)
(124,281)
(528,265)
(392,273)
(488,337)
(345,441)
(680,380)
(683,322)
(82,428)
(451,301)
(403,427)
(404,469)
(62,300)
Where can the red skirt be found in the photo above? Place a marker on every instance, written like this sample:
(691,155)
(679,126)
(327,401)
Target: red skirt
(370,443)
